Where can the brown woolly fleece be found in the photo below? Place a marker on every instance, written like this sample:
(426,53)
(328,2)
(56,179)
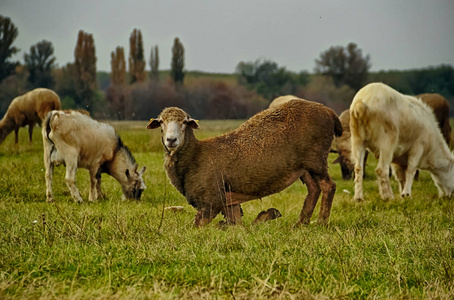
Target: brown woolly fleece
(263,156)
(29,109)
(440,106)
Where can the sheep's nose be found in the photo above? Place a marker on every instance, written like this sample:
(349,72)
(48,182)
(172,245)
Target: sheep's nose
(171,140)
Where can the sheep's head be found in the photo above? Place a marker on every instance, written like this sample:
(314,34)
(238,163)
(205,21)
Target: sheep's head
(134,185)
(173,122)
(347,166)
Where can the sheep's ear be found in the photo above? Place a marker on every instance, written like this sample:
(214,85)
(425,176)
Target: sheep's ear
(194,124)
(154,123)
(141,171)
(337,160)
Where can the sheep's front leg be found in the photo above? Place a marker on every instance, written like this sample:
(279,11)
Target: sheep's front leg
(30,131)
(98,185)
(413,160)
(16,134)
(93,195)
(70,178)
(233,214)
(399,174)
(204,216)
(313,192)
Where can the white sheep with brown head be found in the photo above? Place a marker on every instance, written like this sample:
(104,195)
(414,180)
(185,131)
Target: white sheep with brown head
(74,139)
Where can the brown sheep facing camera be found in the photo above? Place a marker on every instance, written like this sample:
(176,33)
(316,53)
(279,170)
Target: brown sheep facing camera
(263,156)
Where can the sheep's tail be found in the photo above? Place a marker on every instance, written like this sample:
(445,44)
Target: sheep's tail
(337,125)
(46,124)
(358,112)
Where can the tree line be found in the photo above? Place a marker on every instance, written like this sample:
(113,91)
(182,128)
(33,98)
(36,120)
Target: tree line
(130,92)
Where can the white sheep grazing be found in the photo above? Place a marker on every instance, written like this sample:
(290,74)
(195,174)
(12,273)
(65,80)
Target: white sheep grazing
(28,109)
(400,130)
(76,140)
(263,156)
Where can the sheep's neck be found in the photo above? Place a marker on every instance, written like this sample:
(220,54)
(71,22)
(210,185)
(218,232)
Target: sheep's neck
(7,123)
(178,162)
(6,126)
(117,166)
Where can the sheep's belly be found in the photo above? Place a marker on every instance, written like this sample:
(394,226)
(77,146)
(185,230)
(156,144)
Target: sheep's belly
(233,198)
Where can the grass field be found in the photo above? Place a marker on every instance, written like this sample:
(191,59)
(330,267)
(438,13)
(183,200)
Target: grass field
(113,249)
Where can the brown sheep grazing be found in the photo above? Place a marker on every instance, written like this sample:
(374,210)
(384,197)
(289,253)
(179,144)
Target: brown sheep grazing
(342,144)
(263,156)
(439,105)
(29,109)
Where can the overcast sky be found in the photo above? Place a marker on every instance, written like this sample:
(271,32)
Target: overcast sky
(397,34)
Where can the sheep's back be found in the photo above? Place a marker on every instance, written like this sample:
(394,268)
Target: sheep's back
(89,137)
(271,147)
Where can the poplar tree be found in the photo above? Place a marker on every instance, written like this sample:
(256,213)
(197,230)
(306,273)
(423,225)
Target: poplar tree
(177,65)
(118,66)
(117,93)
(85,70)
(154,63)
(8,33)
(136,57)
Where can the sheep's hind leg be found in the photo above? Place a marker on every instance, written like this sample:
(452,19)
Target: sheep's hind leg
(328,188)
(49,178)
(49,164)
(382,170)
(359,157)
(313,192)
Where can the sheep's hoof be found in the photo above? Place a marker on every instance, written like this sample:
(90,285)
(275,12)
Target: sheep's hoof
(323,222)
(405,195)
(302,223)
(50,200)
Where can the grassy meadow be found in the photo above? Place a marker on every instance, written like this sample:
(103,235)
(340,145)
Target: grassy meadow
(113,249)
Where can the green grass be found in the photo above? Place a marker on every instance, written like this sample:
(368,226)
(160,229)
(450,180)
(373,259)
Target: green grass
(117,249)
